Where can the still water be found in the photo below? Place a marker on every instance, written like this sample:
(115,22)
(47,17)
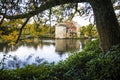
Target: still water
(37,51)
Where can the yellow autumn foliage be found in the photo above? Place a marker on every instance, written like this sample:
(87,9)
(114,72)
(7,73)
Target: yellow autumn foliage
(11,37)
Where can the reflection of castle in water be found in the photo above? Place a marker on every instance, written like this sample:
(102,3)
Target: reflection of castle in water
(66,45)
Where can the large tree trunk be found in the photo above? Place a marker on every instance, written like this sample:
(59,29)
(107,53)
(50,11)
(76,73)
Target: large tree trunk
(106,22)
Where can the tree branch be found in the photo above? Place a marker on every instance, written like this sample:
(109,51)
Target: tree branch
(1,21)
(22,29)
(47,5)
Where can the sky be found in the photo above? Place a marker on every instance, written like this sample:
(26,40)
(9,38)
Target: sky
(81,21)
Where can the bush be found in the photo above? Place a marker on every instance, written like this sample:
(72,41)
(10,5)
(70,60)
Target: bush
(105,66)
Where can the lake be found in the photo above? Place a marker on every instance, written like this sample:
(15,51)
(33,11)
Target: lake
(36,51)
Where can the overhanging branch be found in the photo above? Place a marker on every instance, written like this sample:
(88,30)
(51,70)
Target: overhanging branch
(47,5)
(1,21)
(19,35)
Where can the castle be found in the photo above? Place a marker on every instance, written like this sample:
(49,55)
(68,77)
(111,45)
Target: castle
(67,30)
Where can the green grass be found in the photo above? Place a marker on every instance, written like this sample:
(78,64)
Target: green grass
(90,64)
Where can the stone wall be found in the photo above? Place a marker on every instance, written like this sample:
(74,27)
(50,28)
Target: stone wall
(67,30)
(60,32)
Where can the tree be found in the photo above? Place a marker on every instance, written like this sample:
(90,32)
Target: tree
(107,24)
(106,21)
(88,31)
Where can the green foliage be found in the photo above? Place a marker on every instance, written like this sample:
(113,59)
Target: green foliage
(42,31)
(9,30)
(105,66)
(90,64)
(88,31)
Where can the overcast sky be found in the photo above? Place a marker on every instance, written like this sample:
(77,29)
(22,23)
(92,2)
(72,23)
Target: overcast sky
(81,21)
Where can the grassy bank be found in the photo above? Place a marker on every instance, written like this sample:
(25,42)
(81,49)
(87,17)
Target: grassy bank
(90,64)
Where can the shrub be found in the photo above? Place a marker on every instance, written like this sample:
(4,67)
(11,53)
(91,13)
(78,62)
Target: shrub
(105,66)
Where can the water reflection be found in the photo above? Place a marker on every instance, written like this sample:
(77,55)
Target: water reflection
(37,51)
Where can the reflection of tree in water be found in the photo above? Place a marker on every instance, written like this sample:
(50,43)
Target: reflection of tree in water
(35,45)
(61,54)
(2,62)
(5,48)
(38,60)
(13,62)
(30,44)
